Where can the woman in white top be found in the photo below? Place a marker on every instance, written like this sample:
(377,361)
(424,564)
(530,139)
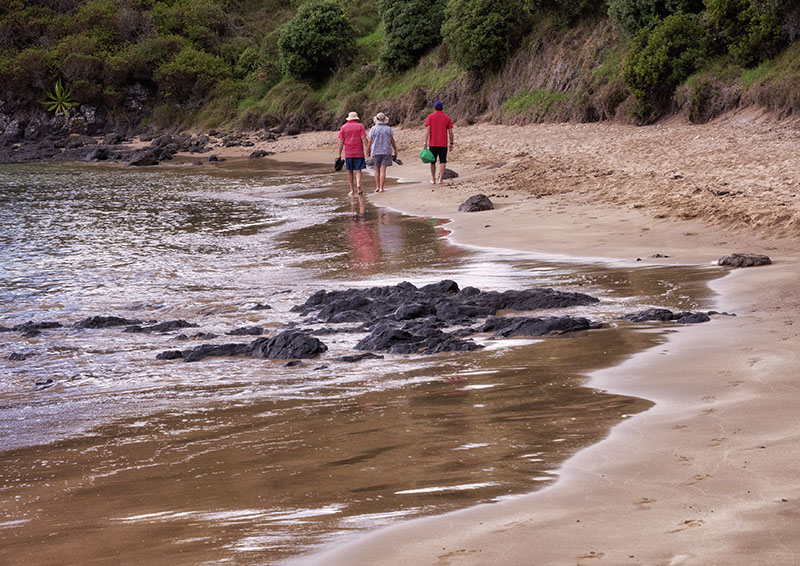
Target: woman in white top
(381,146)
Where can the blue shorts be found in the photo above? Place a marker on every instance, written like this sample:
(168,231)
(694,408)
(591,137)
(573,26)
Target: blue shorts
(355,163)
(440,152)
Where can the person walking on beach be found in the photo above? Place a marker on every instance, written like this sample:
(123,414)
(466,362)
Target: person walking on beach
(380,144)
(353,140)
(438,128)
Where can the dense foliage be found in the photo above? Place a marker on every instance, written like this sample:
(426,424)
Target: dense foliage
(315,40)
(305,63)
(661,59)
(411,27)
(481,33)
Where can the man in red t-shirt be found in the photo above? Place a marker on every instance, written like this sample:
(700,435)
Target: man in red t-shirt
(353,139)
(438,127)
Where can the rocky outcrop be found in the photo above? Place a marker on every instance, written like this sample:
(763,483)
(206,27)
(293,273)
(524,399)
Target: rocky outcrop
(476,203)
(666,315)
(290,344)
(105,322)
(744,260)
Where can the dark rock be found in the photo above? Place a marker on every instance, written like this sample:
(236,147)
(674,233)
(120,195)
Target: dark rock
(31,333)
(170,355)
(214,350)
(292,363)
(666,315)
(288,345)
(260,153)
(213,158)
(113,138)
(358,357)
(204,336)
(79,141)
(105,322)
(449,174)
(35,326)
(44,384)
(143,158)
(20,356)
(744,260)
(292,131)
(247,331)
(97,154)
(476,203)
(507,327)
(260,307)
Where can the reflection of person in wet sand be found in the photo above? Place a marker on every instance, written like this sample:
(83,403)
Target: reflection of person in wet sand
(380,143)
(358,207)
(353,140)
(362,237)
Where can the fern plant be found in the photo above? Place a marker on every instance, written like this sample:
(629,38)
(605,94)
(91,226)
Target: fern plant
(59,100)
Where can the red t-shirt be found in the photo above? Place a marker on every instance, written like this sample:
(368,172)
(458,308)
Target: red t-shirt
(439,123)
(352,133)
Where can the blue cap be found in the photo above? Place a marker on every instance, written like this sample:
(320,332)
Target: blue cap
(438,105)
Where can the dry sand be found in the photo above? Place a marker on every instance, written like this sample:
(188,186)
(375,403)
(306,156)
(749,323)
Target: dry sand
(706,477)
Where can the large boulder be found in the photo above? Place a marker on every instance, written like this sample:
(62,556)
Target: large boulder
(287,345)
(744,260)
(476,203)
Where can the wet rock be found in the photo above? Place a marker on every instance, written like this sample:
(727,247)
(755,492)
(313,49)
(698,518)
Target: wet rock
(144,158)
(204,336)
(666,315)
(744,260)
(105,322)
(449,174)
(260,153)
(214,159)
(162,326)
(246,331)
(100,153)
(293,363)
(507,327)
(35,327)
(359,357)
(20,356)
(289,344)
(212,350)
(113,138)
(260,307)
(170,355)
(44,384)
(387,337)
(79,141)
(476,203)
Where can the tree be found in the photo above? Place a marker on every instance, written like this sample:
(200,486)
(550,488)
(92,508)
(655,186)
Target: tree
(315,40)
(633,15)
(662,58)
(481,33)
(411,27)
(750,30)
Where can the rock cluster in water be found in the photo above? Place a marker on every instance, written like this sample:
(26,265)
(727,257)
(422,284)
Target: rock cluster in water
(398,319)
(404,319)
(744,260)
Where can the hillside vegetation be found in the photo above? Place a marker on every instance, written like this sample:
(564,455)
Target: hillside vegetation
(303,64)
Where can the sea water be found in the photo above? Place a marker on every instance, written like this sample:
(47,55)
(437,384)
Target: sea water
(108,455)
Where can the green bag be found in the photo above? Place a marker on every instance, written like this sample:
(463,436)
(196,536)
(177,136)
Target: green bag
(426,155)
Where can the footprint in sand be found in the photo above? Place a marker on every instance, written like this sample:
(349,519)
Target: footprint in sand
(698,478)
(687,524)
(718,441)
(444,559)
(590,555)
(644,503)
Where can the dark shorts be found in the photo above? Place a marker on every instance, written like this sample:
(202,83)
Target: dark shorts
(382,160)
(355,163)
(440,153)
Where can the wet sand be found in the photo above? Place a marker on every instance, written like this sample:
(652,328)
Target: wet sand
(707,476)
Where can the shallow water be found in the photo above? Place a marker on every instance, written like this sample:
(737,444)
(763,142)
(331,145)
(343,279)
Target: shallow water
(110,456)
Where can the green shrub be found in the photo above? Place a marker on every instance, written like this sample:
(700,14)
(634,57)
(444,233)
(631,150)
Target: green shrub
(189,77)
(412,27)
(482,33)
(202,22)
(315,40)
(662,58)
(751,31)
(634,15)
(98,18)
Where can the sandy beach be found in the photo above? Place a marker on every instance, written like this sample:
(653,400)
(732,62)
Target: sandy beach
(707,476)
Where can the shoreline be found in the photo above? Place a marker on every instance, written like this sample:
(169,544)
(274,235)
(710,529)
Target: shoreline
(705,476)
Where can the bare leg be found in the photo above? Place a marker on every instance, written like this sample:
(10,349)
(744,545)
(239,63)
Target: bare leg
(433,172)
(442,167)
(377,179)
(381,174)
(358,181)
